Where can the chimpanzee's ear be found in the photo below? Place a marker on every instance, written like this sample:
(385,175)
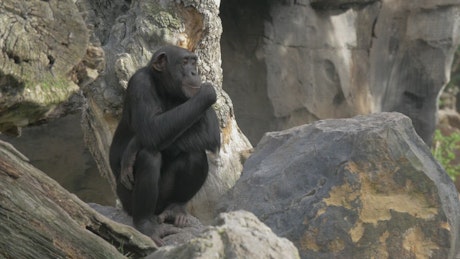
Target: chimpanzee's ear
(160,61)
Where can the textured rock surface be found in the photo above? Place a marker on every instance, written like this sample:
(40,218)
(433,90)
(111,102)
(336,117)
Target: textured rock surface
(40,43)
(365,187)
(236,234)
(300,61)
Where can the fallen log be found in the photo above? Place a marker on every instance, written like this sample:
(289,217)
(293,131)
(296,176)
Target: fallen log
(40,219)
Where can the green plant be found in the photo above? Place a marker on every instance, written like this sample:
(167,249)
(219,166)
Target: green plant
(444,149)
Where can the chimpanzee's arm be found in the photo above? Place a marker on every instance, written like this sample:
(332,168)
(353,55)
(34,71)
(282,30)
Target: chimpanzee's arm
(205,134)
(158,129)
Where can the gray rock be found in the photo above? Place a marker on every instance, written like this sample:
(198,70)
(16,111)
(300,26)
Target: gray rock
(365,187)
(237,234)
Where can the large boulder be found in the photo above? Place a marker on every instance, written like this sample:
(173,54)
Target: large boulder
(365,187)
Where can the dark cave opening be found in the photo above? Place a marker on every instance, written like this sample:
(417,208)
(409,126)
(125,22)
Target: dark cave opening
(243,64)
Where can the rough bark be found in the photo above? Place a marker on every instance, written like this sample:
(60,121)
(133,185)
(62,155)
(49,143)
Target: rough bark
(40,219)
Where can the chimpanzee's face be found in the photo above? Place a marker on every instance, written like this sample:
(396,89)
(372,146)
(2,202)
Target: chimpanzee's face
(191,81)
(177,69)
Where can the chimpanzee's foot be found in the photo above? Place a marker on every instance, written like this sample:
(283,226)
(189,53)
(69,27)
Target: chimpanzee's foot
(155,231)
(161,232)
(157,239)
(177,214)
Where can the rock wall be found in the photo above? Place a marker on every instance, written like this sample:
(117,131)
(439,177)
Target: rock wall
(287,63)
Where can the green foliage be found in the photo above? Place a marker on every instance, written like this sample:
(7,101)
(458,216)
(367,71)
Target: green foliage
(444,151)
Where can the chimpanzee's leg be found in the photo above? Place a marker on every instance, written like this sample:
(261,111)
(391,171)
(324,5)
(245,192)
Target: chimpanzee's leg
(191,177)
(145,190)
(186,176)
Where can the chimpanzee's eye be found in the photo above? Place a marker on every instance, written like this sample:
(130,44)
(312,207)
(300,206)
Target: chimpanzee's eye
(185,61)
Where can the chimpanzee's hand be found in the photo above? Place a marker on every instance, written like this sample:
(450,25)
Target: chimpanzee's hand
(126,174)
(208,93)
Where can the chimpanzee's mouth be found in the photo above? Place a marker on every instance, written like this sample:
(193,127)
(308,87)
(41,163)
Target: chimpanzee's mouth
(193,86)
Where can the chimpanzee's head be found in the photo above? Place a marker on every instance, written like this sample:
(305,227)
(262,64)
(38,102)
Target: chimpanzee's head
(175,72)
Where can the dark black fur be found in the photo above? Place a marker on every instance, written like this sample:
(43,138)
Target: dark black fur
(166,126)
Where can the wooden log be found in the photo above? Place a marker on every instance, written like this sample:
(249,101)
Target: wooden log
(40,219)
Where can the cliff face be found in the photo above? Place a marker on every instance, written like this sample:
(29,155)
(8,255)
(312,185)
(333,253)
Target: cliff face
(293,62)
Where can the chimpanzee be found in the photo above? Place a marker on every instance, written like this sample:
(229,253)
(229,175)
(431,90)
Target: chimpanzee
(158,153)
